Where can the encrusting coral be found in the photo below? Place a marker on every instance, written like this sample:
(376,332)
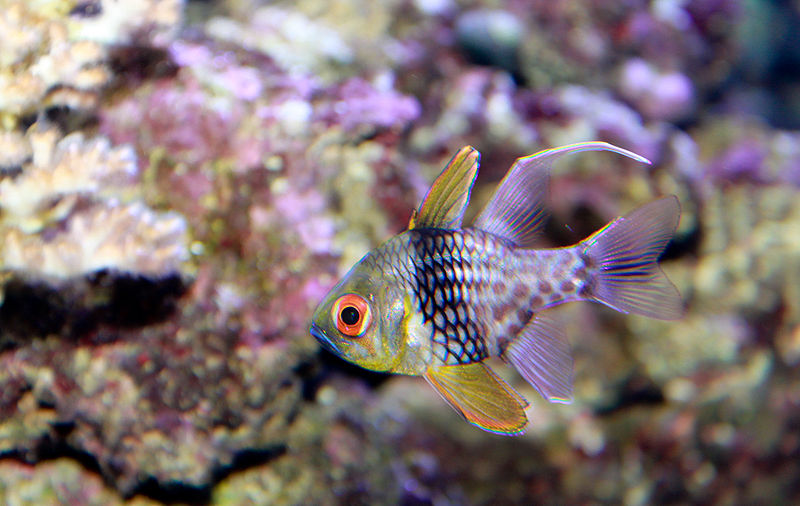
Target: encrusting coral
(74,232)
(58,171)
(68,203)
(41,64)
(289,160)
(124,237)
(61,215)
(56,53)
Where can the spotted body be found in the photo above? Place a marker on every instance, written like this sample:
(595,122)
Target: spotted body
(476,291)
(439,299)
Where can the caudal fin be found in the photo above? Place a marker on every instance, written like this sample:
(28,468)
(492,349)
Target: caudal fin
(626,254)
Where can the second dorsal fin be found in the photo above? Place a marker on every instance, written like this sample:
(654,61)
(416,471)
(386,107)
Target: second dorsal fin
(516,211)
(445,202)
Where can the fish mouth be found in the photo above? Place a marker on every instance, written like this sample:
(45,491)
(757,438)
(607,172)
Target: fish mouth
(324,340)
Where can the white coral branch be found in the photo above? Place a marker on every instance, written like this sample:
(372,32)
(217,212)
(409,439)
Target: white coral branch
(59,168)
(39,56)
(126,237)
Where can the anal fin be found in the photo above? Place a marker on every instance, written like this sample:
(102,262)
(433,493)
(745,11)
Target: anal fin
(541,355)
(481,397)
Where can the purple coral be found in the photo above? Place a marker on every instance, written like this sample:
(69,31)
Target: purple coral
(665,96)
(362,103)
(182,120)
(742,161)
(254,139)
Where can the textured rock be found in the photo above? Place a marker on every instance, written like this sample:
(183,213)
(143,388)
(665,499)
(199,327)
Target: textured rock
(258,163)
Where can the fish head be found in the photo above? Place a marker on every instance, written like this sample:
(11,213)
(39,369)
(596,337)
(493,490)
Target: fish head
(360,319)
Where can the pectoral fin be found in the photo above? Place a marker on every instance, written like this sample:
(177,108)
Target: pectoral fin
(444,204)
(481,397)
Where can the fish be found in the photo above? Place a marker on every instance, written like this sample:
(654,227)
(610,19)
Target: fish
(440,299)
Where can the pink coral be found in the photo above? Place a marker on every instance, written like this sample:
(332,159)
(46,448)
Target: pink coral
(182,120)
(362,103)
(664,96)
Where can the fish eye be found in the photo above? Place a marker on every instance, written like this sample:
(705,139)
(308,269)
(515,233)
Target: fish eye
(351,314)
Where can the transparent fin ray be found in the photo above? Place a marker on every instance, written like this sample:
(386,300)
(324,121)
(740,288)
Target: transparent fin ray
(626,252)
(516,211)
(481,397)
(541,355)
(445,202)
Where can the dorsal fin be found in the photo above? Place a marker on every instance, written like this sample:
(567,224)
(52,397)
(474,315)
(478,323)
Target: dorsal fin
(481,397)
(445,202)
(516,211)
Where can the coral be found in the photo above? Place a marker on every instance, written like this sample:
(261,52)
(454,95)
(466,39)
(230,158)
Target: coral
(746,150)
(130,238)
(43,65)
(71,184)
(476,102)
(347,36)
(375,104)
(60,170)
(211,122)
(55,54)
(13,150)
(151,22)
(659,95)
(749,257)
(255,158)
(61,481)
(69,216)
(265,150)
(297,44)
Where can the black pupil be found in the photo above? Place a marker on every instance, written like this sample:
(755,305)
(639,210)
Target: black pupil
(350,315)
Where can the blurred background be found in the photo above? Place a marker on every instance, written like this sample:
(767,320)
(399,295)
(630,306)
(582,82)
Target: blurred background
(182,181)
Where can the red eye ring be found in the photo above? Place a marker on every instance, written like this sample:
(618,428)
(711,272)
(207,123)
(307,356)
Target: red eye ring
(351,314)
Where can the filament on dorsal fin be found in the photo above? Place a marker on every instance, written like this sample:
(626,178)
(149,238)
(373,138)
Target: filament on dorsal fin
(517,210)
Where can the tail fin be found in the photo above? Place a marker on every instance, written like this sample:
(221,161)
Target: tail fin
(626,253)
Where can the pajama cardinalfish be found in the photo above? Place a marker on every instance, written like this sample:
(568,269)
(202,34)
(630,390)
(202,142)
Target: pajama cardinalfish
(439,299)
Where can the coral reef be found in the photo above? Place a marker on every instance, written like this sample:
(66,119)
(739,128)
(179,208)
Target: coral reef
(58,171)
(41,65)
(56,54)
(69,207)
(146,22)
(68,211)
(161,254)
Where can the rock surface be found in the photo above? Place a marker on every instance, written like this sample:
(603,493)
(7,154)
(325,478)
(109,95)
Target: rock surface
(212,179)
